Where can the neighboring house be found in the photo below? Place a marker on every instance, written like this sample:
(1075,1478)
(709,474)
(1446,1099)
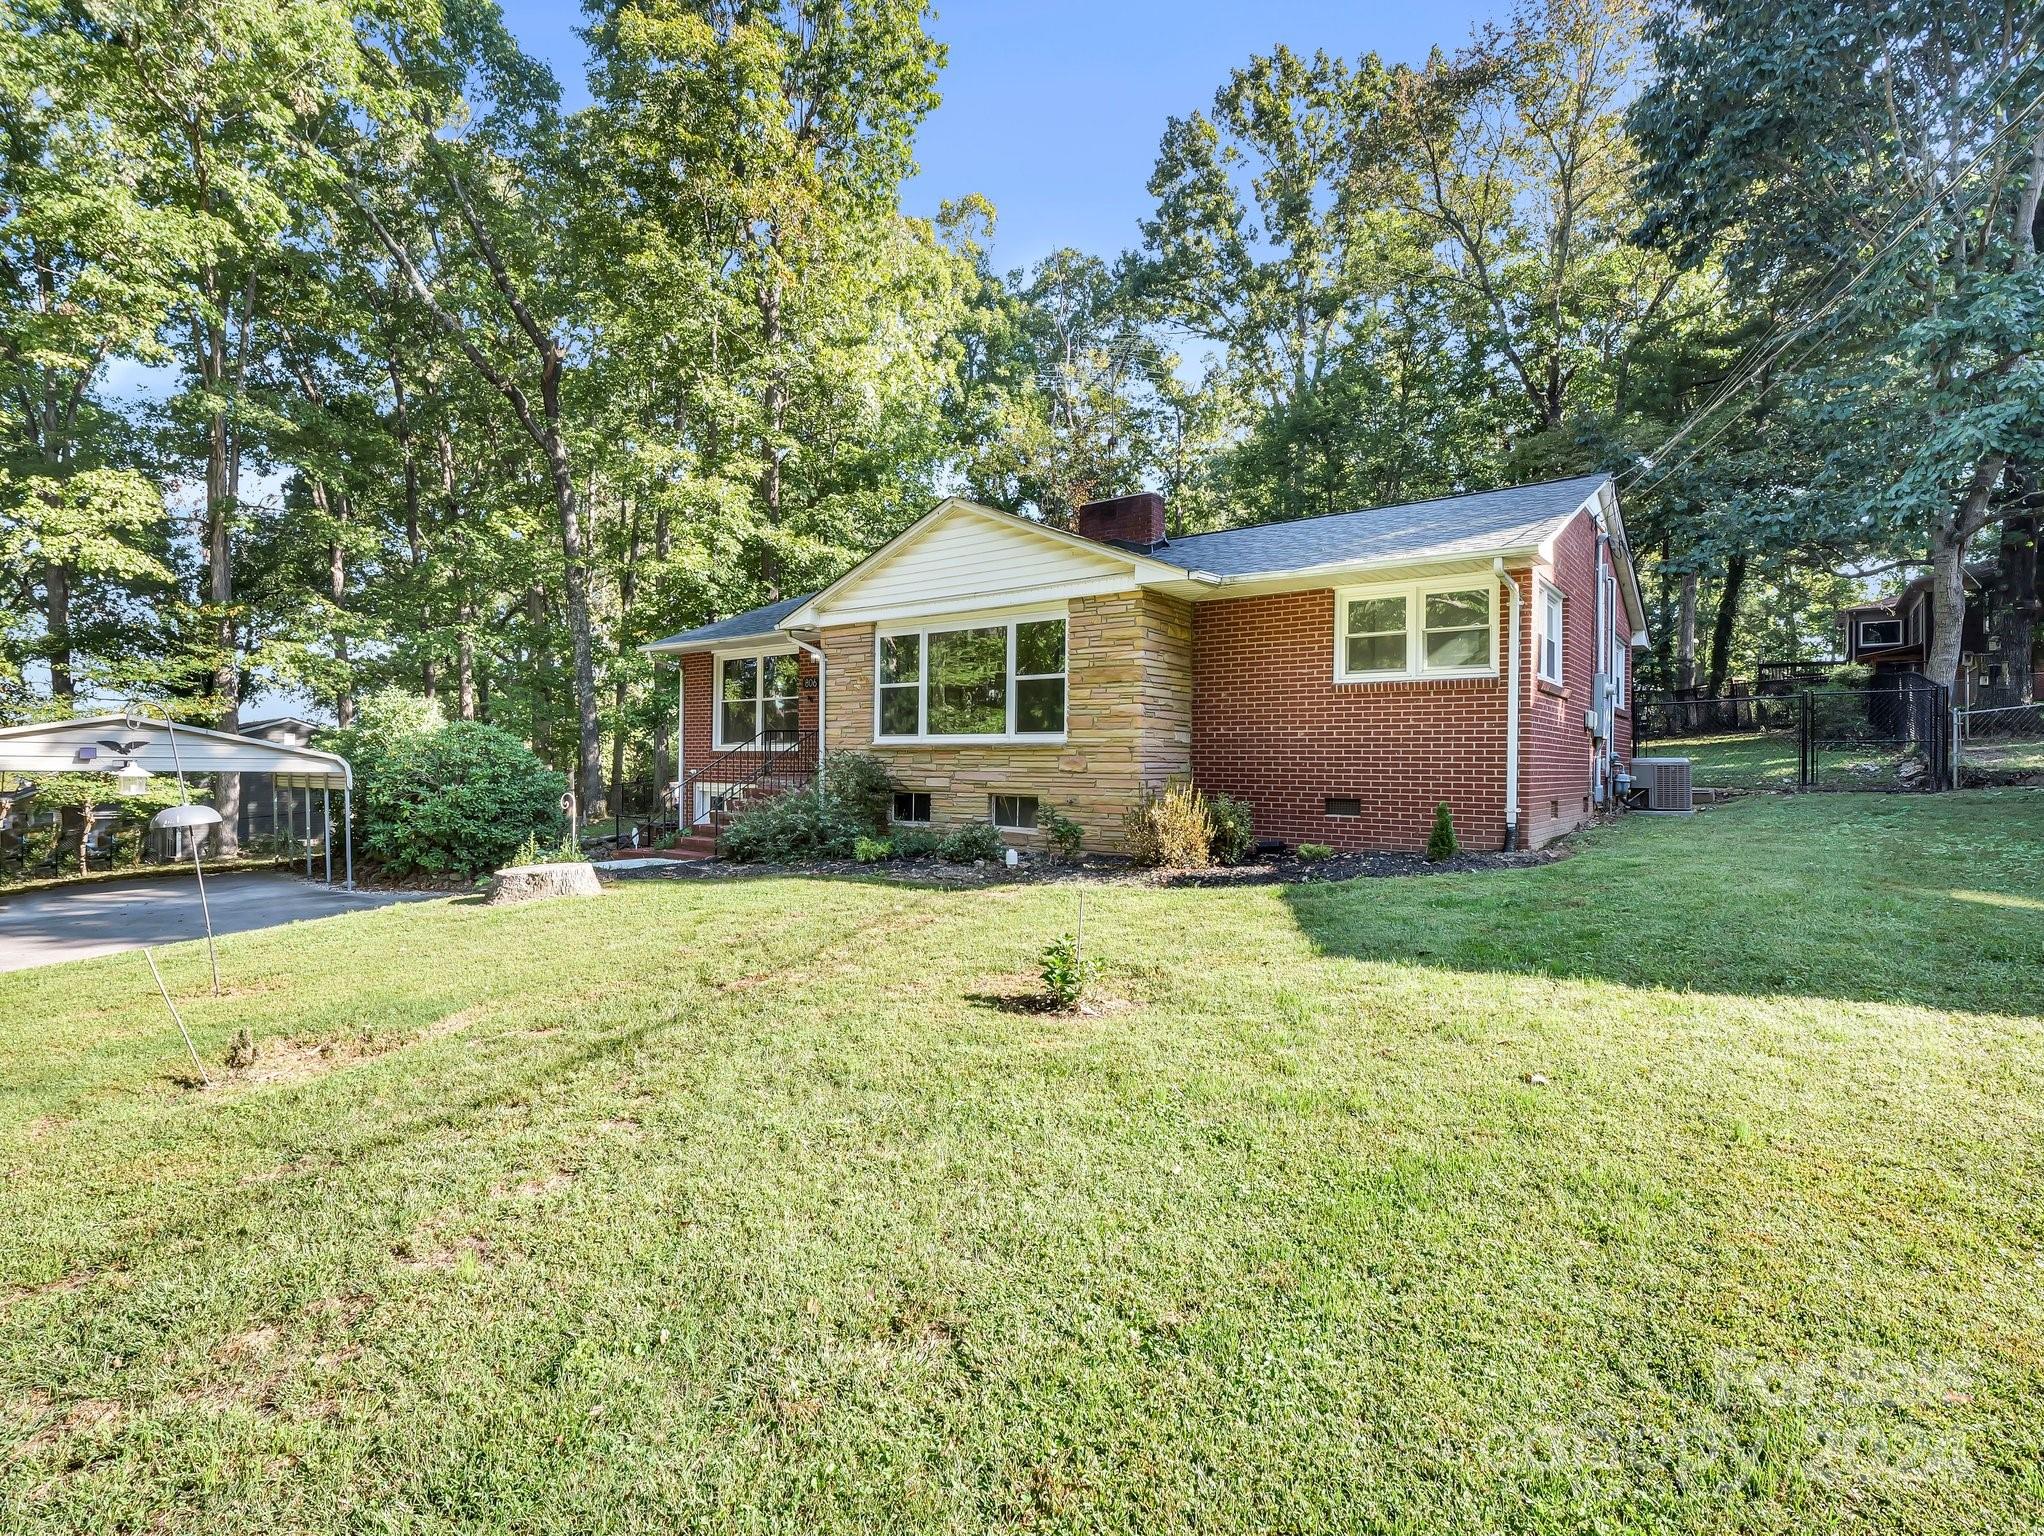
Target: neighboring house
(1340,673)
(1895,636)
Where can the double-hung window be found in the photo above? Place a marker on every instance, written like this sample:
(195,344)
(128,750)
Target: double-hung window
(1548,653)
(757,699)
(1446,627)
(970,681)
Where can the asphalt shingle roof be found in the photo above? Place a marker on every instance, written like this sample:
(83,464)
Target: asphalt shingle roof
(754,623)
(1511,518)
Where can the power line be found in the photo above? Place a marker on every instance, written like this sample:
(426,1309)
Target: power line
(1746,373)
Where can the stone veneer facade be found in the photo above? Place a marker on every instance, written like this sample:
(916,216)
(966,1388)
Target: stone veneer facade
(1128,721)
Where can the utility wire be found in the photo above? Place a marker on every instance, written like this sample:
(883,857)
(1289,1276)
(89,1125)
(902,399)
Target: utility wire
(1747,372)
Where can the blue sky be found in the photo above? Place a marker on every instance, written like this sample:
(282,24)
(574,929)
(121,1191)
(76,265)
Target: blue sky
(1053,108)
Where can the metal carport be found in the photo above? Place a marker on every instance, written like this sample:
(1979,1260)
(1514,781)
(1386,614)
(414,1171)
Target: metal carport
(108,743)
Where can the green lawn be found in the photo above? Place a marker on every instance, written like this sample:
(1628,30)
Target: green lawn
(1770,760)
(1695,1183)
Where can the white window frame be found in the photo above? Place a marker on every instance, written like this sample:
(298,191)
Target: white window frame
(1547,592)
(1864,644)
(910,821)
(1416,594)
(761,657)
(1009,621)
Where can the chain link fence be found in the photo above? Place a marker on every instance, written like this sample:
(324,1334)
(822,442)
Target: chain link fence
(1891,734)
(2001,745)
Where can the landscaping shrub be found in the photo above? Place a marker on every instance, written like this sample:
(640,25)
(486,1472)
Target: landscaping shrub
(1313,853)
(385,721)
(858,784)
(1441,842)
(1234,837)
(872,850)
(1171,827)
(917,843)
(1066,973)
(461,800)
(790,827)
(1065,838)
(971,843)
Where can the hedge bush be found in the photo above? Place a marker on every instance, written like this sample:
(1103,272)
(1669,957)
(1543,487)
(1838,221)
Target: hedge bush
(459,800)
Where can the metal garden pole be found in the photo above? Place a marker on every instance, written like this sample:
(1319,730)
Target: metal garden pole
(172,819)
(326,827)
(198,1065)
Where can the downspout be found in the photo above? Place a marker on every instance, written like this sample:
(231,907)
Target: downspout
(1511,712)
(822,703)
(684,815)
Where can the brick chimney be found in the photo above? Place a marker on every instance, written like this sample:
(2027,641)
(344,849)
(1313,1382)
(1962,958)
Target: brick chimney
(1136,520)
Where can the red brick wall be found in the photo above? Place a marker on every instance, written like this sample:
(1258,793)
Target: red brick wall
(1555,774)
(698,717)
(1271,725)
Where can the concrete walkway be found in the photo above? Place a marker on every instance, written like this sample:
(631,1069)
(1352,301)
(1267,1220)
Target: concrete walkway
(70,923)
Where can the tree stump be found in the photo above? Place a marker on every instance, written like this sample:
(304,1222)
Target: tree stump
(540,882)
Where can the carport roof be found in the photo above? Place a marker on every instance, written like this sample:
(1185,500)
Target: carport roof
(101,743)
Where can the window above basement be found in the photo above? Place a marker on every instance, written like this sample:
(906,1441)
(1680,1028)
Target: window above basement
(1389,632)
(971,681)
(1879,634)
(1548,648)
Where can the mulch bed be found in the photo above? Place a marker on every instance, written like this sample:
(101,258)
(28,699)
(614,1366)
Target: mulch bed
(1278,869)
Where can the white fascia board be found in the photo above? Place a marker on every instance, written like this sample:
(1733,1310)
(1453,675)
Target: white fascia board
(991,604)
(1309,578)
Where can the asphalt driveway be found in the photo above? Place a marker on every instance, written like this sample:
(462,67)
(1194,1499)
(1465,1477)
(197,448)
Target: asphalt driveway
(44,927)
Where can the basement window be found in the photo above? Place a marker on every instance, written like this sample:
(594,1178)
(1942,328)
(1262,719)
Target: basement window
(1342,805)
(1013,813)
(911,808)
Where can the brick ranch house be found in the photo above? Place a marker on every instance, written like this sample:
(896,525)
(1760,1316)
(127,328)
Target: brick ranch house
(1340,673)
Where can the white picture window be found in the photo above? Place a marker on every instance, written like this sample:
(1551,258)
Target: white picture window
(1879,634)
(1440,628)
(1551,616)
(967,681)
(757,699)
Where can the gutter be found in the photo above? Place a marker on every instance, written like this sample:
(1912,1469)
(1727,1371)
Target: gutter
(1511,710)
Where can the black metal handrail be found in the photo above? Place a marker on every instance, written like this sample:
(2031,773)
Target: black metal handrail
(772,761)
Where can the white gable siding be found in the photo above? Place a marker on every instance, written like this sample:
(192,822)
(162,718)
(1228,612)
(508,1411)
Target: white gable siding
(965,559)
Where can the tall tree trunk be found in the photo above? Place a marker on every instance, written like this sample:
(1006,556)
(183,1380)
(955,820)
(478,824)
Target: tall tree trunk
(57,617)
(1685,635)
(575,573)
(1950,537)
(776,419)
(2016,597)
(1721,628)
(226,680)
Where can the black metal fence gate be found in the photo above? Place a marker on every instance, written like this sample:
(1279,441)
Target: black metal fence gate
(1893,733)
